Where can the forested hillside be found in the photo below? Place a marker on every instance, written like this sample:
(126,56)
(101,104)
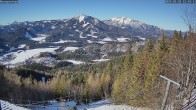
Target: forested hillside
(132,79)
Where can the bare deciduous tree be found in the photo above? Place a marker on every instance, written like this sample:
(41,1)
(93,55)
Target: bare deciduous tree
(182,67)
(190,19)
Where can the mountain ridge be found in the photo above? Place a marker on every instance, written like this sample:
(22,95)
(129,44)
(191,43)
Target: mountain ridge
(84,16)
(81,37)
(84,27)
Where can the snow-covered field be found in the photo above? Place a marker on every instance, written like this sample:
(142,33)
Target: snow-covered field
(22,55)
(99,105)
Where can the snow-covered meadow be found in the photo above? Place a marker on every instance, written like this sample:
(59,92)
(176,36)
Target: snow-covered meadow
(21,56)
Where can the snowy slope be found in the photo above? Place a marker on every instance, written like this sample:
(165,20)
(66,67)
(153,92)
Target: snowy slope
(4,105)
(106,105)
(137,28)
(127,22)
(23,55)
(99,105)
(86,19)
(124,21)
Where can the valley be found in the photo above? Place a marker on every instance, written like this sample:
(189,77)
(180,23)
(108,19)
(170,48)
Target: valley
(81,38)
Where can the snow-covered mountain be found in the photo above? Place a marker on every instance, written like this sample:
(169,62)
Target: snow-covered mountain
(135,27)
(82,37)
(87,27)
(123,21)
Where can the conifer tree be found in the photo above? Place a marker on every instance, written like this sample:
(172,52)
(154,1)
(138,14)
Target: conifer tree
(149,46)
(136,84)
(142,78)
(128,60)
(118,93)
(106,80)
(162,46)
(122,81)
(175,40)
(152,73)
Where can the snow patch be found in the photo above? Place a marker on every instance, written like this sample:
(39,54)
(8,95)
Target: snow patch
(39,39)
(81,35)
(70,41)
(101,42)
(107,39)
(72,49)
(142,38)
(42,35)
(75,62)
(22,46)
(122,39)
(53,27)
(84,25)
(77,30)
(63,41)
(81,18)
(100,60)
(47,21)
(93,32)
(89,41)
(91,35)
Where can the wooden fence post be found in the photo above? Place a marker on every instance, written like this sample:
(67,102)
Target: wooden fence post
(169,81)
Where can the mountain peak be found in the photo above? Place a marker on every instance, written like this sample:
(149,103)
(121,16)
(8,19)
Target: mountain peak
(86,19)
(81,17)
(123,20)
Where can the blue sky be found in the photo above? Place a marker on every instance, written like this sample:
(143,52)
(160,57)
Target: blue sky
(155,12)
